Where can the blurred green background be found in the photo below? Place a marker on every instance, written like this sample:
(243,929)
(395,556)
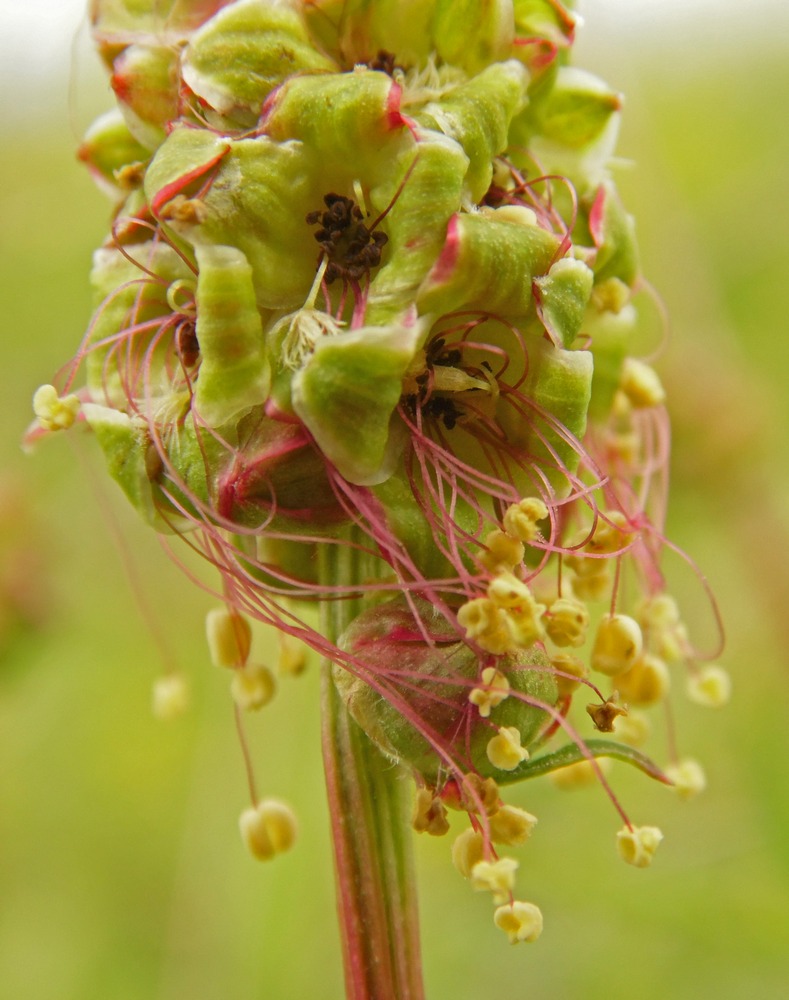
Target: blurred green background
(121,872)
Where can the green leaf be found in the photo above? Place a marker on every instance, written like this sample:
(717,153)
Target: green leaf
(572,753)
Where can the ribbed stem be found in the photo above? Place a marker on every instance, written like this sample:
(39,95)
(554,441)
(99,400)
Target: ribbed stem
(376,890)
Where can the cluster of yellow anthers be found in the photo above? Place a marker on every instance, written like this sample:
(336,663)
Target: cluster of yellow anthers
(268,827)
(473,854)
(511,826)
(509,617)
(639,389)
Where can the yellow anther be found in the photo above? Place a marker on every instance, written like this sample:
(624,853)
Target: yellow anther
(603,715)
(581,774)
(511,826)
(566,663)
(593,586)
(502,552)
(292,657)
(478,794)
(520,519)
(54,412)
(664,633)
(429,814)
(267,829)
(611,295)
(688,777)
(170,696)
(566,622)
(618,644)
(505,751)
(641,385)
(659,612)
(610,534)
(646,683)
(709,686)
(486,625)
(252,687)
(522,613)
(521,215)
(671,645)
(637,845)
(634,729)
(623,446)
(519,921)
(468,849)
(496,689)
(497,877)
(229,637)
(509,593)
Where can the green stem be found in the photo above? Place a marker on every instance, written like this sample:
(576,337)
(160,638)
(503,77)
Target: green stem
(368,806)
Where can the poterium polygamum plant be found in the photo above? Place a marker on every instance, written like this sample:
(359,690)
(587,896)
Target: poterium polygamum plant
(364,337)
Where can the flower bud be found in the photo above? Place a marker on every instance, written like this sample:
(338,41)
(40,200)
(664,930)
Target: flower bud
(431,705)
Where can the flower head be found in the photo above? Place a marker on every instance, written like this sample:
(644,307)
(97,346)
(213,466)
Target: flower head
(363,338)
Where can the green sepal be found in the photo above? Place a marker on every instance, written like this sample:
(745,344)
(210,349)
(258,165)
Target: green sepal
(406,520)
(121,22)
(572,754)
(348,121)
(559,383)
(235,60)
(545,29)
(257,198)
(402,27)
(610,334)
(107,146)
(575,111)
(424,188)
(182,165)
(346,395)
(564,293)
(127,297)
(234,369)
(473,34)
(277,481)
(487,264)
(125,443)
(477,114)
(146,82)
(613,234)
